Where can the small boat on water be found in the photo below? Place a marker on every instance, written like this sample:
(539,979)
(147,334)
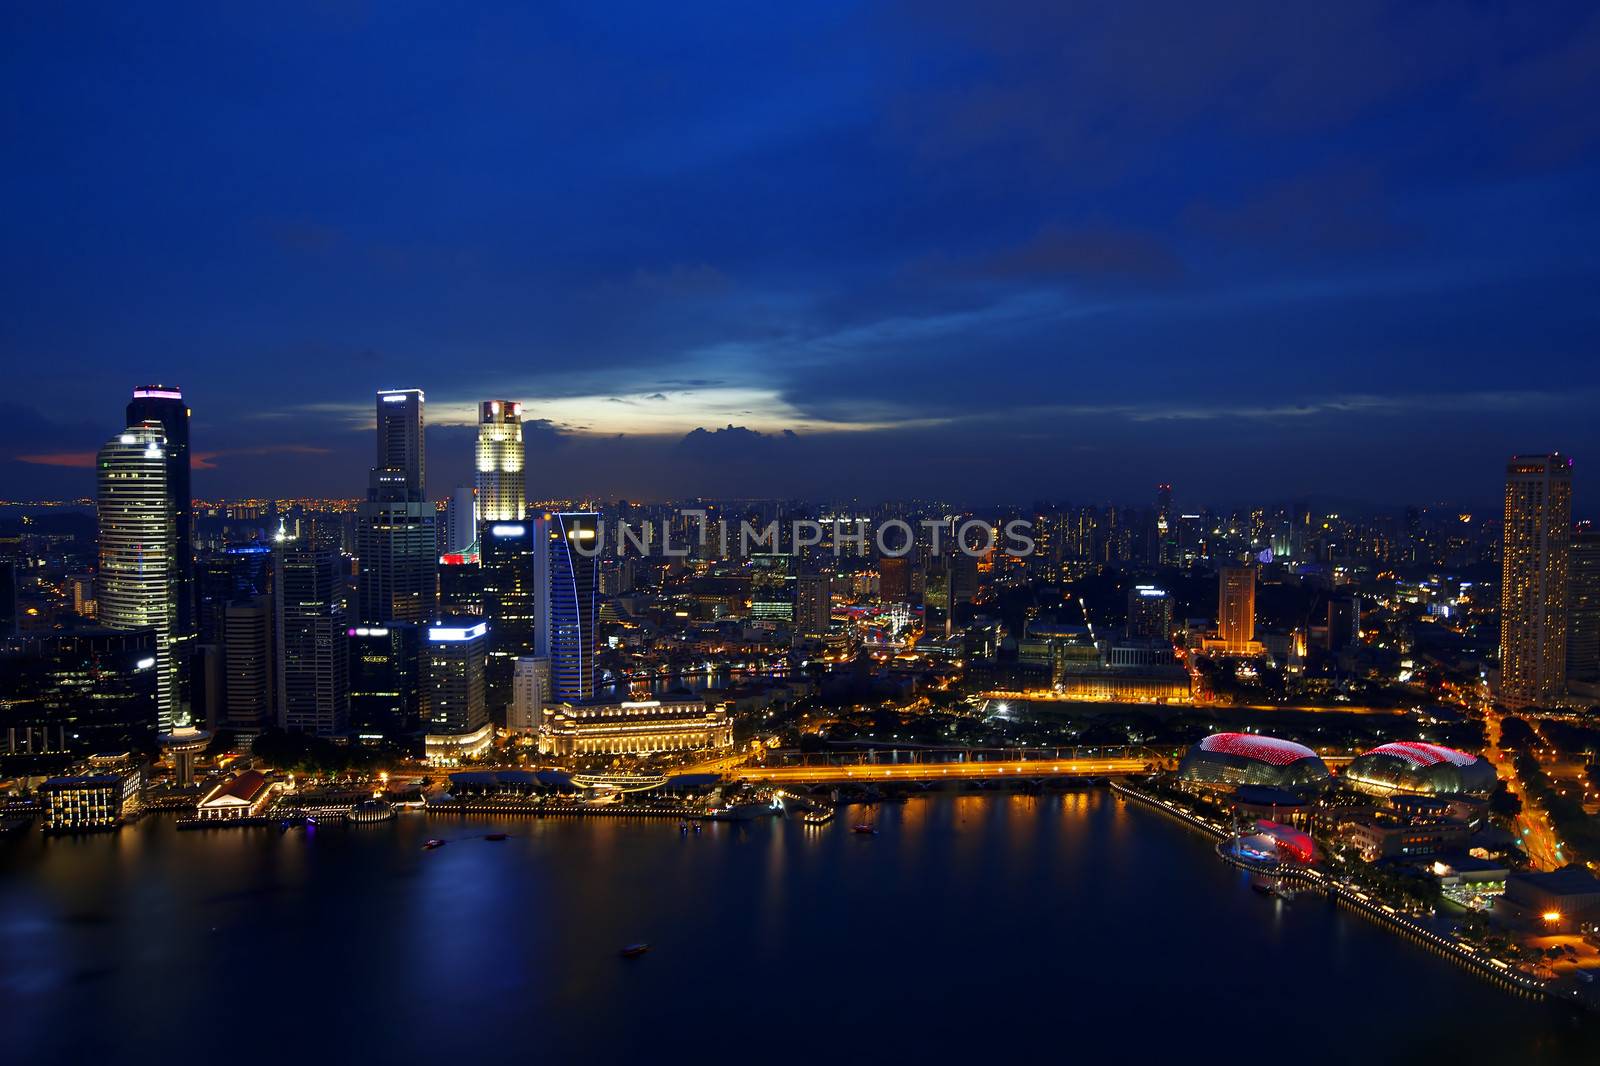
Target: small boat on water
(494,836)
(435,843)
(865,827)
(633,951)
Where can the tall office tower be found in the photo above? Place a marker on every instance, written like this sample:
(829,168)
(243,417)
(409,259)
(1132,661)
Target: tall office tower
(385,679)
(453,700)
(1534,566)
(401,443)
(461,520)
(81,691)
(530,692)
(137,584)
(894,579)
(567,582)
(813,605)
(772,587)
(313,664)
(1236,605)
(249,669)
(159,403)
(501,484)
(963,577)
(1149,613)
(509,598)
(396,540)
(1166,551)
(1583,606)
(237,572)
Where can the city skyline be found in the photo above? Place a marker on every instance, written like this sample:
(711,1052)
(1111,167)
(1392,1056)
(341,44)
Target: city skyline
(1030,253)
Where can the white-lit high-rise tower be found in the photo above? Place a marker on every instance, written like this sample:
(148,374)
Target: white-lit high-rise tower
(137,584)
(501,484)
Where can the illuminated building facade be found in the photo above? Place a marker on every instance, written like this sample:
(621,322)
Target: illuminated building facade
(1236,609)
(567,580)
(461,520)
(508,573)
(530,694)
(249,670)
(77,692)
(385,679)
(402,445)
(772,588)
(1149,613)
(453,697)
(1583,607)
(894,579)
(1535,563)
(501,480)
(635,727)
(1167,551)
(165,405)
(313,666)
(813,605)
(137,583)
(396,540)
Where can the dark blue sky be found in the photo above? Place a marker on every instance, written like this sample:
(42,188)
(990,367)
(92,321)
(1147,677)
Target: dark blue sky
(996,250)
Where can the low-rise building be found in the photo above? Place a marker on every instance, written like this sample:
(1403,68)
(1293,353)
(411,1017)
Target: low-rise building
(1378,836)
(1559,901)
(92,801)
(242,796)
(636,727)
(453,749)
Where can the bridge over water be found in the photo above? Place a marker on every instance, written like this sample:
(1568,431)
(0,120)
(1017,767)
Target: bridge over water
(946,764)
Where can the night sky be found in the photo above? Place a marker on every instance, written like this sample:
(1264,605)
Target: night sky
(997,251)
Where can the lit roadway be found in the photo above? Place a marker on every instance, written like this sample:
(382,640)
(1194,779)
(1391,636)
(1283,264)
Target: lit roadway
(1534,832)
(954,771)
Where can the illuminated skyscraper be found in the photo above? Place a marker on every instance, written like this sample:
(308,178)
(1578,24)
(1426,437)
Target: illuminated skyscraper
(894,579)
(501,485)
(530,693)
(137,584)
(453,698)
(1149,613)
(813,605)
(402,445)
(461,520)
(1534,568)
(313,660)
(1583,606)
(509,601)
(159,403)
(1236,606)
(395,535)
(567,582)
(1166,529)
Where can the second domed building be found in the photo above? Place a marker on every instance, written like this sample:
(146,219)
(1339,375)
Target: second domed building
(1417,766)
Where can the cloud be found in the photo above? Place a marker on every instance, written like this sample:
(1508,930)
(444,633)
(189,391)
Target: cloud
(731,442)
(206,460)
(75,460)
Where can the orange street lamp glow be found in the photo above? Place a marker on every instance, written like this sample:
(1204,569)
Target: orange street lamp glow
(1551,916)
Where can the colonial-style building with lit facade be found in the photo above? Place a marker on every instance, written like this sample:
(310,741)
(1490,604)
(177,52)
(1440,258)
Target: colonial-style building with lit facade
(635,727)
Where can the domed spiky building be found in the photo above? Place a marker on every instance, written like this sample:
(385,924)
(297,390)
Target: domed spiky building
(1233,759)
(1417,766)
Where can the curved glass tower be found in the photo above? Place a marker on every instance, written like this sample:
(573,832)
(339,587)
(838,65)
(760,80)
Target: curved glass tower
(137,584)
